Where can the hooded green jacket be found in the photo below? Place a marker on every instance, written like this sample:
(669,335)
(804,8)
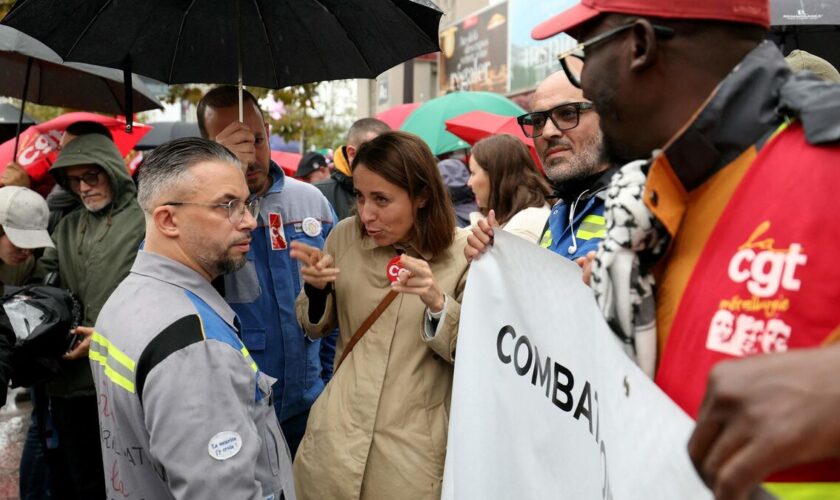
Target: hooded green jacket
(94,251)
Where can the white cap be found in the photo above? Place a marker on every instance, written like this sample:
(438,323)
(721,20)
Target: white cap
(24,216)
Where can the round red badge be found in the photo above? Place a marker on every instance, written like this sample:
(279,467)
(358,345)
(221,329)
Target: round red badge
(394,268)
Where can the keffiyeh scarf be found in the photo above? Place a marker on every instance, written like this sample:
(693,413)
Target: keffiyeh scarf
(621,272)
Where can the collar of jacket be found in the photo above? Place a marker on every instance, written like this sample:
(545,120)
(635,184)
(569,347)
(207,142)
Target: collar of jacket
(741,112)
(815,103)
(278,179)
(340,161)
(410,249)
(158,267)
(345,181)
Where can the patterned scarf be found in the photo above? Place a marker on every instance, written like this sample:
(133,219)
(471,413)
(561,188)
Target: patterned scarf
(621,273)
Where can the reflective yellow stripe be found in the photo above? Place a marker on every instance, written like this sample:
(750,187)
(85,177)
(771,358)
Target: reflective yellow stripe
(595,219)
(592,226)
(113,351)
(546,239)
(804,491)
(246,354)
(586,235)
(115,377)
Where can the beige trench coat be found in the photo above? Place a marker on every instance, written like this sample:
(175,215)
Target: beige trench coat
(378,431)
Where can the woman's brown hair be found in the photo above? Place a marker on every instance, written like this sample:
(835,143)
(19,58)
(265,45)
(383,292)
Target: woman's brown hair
(515,181)
(407,162)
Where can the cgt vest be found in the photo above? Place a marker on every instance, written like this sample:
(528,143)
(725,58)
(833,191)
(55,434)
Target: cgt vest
(767,280)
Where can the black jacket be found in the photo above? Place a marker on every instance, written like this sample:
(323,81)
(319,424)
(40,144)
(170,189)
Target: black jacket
(338,189)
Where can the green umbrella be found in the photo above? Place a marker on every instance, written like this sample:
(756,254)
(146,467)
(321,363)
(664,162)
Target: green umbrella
(428,121)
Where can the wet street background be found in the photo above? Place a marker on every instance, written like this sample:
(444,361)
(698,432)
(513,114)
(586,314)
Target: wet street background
(14,420)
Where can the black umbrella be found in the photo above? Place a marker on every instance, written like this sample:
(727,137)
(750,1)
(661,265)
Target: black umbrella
(166,131)
(35,73)
(9,116)
(265,43)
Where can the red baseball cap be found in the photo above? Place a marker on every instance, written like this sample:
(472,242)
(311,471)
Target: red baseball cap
(741,11)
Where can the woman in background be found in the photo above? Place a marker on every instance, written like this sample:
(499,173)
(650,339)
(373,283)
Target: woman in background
(506,181)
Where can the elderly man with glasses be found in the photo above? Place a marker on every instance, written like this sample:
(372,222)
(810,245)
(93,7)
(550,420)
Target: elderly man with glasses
(95,246)
(185,411)
(567,135)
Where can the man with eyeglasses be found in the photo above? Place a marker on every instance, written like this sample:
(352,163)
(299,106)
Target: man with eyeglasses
(263,292)
(566,133)
(95,246)
(185,412)
(731,210)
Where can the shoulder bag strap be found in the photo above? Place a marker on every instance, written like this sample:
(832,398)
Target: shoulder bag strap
(371,319)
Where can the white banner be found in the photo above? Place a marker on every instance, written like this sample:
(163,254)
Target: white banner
(545,403)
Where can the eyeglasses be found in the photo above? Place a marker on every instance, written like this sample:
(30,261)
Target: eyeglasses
(90,178)
(564,117)
(236,208)
(578,50)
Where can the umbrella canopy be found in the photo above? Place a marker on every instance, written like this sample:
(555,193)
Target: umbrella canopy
(287,161)
(69,85)
(476,125)
(396,115)
(166,131)
(427,121)
(39,143)
(273,44)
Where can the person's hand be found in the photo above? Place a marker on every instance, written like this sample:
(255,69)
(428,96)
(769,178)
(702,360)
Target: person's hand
(15,175)
(240,140)
(481,238)
(81,348)
(764,414)
(585,263)
(417,278)
(318,267)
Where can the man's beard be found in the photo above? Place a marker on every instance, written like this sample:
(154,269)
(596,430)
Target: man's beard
(584,163)
(228,264)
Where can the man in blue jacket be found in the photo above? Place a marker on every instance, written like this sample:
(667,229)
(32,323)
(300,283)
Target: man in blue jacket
(263,292)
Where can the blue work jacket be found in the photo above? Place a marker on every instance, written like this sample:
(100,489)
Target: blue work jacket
(263,294)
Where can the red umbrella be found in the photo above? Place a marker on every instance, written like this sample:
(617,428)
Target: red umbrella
(476,125)
(287,161)
(395,116)
(39,143)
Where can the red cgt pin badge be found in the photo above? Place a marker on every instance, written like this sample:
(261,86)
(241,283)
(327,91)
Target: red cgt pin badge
(396,269)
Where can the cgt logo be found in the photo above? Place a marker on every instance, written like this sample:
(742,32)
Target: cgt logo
(764,268)
(395,268)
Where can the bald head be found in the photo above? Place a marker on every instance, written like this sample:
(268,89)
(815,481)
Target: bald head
(555,90)
(567,154)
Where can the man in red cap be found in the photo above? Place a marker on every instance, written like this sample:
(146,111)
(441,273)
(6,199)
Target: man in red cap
(730,214)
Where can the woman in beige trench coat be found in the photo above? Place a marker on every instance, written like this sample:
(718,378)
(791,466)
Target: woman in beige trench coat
(378,431)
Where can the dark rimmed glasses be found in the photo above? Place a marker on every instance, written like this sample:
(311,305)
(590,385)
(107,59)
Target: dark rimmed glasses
(564,117)
(90,178)
(236,208)
(578,50)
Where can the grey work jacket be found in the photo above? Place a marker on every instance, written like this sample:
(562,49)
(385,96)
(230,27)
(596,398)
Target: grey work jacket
(184,411)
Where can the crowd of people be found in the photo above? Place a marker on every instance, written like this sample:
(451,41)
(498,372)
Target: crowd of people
(247,334)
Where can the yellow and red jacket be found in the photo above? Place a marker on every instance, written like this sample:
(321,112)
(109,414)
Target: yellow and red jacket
(747,193)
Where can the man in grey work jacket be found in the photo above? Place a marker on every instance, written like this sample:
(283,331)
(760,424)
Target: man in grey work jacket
(184,412)
(263,292)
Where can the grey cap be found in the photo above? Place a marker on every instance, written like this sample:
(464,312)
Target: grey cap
(24,216)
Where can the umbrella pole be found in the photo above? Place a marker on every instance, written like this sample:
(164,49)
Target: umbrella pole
(128,83)
(22,106)
(239,56)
